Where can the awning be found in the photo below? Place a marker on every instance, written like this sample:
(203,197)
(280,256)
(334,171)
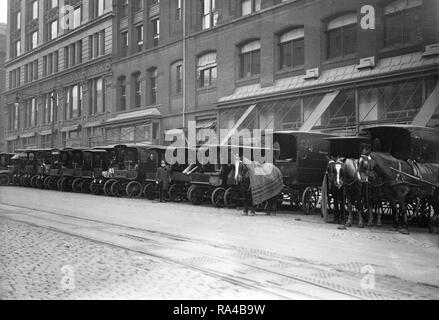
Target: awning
(12,138)
(206,124)
(93,124)
(28,135)
(45,133)
(428,109)
(130,116)
(71,128)
(319,111)
(238,124)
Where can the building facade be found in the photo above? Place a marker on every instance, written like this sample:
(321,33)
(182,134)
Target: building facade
(269,64)
(2,85)
(58,72)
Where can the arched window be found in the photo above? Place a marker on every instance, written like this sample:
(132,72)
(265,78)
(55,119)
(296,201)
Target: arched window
(402,22)
(207,70)
(121,81)
(250,59)
(136,92)
(342,36)
(292,49)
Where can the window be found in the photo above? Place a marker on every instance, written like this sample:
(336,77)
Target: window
(207,70)
(138,5)
(96,96)
(52,30)
(125,4)
(77,16)
(124,43)
(152,86)
(34,10)
(403,23)
(73,105)
(342,36)
(209,14)
(18,20)
(179,79)
(30,113)
(136,90)
(250,64)
(97,45)
(139,37)
(122,94)
(51,4)
(250,6)
(50,103)
(156,31)
(34,40)
(97,7)
(291,49)
(178,10)
(17,48)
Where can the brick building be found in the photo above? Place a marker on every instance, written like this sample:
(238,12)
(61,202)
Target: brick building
(2,84)
(270,64)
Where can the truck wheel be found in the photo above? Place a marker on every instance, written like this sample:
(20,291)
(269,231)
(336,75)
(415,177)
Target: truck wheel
(5,179)
(134,189)
(107,187)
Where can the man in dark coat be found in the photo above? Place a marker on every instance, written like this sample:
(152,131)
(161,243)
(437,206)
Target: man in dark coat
(163,179)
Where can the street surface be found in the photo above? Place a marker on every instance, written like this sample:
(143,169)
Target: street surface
(72,246)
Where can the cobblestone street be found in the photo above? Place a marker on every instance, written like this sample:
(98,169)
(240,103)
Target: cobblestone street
(38,263)
(73,246)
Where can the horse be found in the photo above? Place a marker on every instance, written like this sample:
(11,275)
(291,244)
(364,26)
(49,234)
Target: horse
(375,169)
(344,176)
(243,178)
(336,190)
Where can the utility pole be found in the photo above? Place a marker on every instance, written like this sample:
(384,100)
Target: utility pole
(54,115)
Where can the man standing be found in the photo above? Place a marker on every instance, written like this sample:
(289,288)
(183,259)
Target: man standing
(163,179)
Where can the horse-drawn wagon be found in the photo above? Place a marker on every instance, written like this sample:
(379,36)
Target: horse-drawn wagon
(6,168)
(302,159)
(403,168)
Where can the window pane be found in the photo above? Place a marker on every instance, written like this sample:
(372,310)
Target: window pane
(299,52)
(334,43)
(285,55)
(393,29)
(349,39)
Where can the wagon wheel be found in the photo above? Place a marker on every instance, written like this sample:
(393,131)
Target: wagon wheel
(197,195)
(231,198)
(64,185)
(5,179)
(175,192)
(217,197)
(424,213)
(117,189)
(134,189)
(23,181)
(189,192)
(77,185)
(150,191)
(107,187)
(47,182)
(95,188)
(40,183)
(310,199)
(34,181)
(86,187)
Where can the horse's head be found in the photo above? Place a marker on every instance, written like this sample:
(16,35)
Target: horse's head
(366,166)
(336,170)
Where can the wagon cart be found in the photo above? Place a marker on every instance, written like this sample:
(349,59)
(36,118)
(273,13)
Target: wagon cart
(95,162)
(54,166)
(128,171)
(72,160)
(419,148)
(42,170)
(6,168)
(209,181)
(180,175)
(155,155)
(302,159)
(29,169)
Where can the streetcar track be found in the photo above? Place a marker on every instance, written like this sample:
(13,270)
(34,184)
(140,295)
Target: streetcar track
(297,278)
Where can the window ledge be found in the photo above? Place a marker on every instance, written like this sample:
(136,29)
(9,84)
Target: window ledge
(340,59)
(290,71)
(407,46)
(208,88)
(249,80)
